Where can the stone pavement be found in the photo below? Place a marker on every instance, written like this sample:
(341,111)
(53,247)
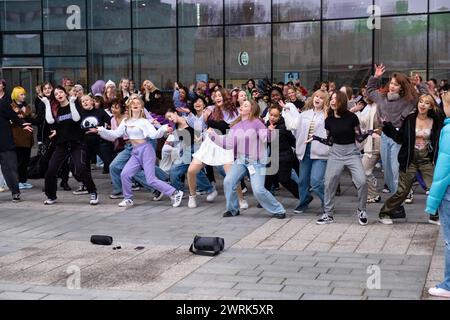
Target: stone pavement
(43,249)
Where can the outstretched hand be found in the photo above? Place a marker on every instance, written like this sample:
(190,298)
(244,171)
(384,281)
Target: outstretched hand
(379,70)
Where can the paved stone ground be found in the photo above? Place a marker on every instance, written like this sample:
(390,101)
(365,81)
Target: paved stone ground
(265,258)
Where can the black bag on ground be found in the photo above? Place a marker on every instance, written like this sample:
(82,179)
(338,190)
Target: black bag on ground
(102,240)
(207,246)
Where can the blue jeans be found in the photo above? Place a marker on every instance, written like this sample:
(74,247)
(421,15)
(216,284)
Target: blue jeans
(119,162)
(178,170)
(444,217)
(312,173)
(264,197)
(389,157)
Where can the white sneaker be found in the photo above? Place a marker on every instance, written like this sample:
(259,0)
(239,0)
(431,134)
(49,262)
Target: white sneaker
(2,189)
(126,203)
(243,204)
(211,196)
(50,201)
(94,199)
(439,292)
(192,202)
(176,198)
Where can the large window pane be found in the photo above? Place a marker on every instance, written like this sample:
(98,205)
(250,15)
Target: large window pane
(21,44)
(21,62)
(66,43)
(155,57)
(148,13)
(64,14)
(109,55)
(333,9)
(439,5)
(347,52)
(296,48)
(58,68)
(201,52)
(401,44)
(199,12)
(294,10)
(402,6)
(20,15)
(439,46)
(247,11)
(247,53)
(109,13)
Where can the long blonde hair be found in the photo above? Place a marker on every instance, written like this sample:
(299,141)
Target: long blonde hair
(135,97)
(254,113)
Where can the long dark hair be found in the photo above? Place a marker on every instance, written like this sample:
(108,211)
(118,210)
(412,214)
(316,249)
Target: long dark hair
(228,106)
(341,102)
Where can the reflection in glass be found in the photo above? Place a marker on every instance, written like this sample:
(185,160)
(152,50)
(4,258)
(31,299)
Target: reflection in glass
(401,43)
(439,5)
(20,15)
(201,52)
(247,53)
(148,13)
(157,63)
(295,10)
(347,52)
(296,48)
(402,6)
(333,9)
(21,44)
(109,55)
(109,13)
(57,68)
(64,14)
(199,12)
(61,43)
(247,11)
(439,53)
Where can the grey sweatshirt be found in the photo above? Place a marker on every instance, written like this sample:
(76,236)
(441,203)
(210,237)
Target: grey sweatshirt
(393,111)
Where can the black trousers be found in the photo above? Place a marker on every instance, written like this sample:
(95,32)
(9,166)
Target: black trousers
(8,163)
(79,162)
(104,149)
(23,159)
(287,162)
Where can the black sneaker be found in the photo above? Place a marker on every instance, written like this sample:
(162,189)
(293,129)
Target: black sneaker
(279,215)
(325,219)
(229,214)
(399,213)
(301,209)
(157,195)
(81,190)
(16,197)
(362,217)
(434,220)
(65,186)
(94,199)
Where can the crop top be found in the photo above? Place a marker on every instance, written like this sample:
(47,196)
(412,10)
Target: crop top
(134,129)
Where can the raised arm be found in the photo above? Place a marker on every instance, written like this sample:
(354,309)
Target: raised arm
(73,109)
(374,84)
(291,116)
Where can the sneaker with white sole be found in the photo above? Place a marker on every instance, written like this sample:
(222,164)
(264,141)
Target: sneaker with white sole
(135,186)
(116,195)
(176,198)
(385,219)
(211,196)
(362,217)
(192,202)
(410,197)
(16,197)
(243,205)
(126,203)
(94,199)
(157,195)
(325,219)
(81,190)
(439,292)
(434,220)
(50,201)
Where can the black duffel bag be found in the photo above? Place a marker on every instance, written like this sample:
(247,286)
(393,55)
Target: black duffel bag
(207,246)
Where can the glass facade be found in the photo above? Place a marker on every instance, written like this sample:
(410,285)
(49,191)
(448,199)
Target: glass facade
(225,40)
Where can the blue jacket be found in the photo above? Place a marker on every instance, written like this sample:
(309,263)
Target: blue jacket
(441,178)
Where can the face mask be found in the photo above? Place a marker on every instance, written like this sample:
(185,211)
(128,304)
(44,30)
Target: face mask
(393,96)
